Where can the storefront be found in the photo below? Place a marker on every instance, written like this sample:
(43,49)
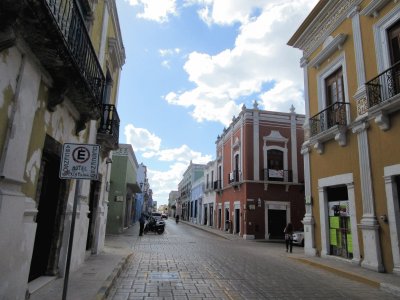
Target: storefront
(340,235)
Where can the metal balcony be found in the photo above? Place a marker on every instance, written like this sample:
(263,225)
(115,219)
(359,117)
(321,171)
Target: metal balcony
(217,185)
(333,115)
(278,175)
(56,33)
(108,132)
(234,177)
(384,86)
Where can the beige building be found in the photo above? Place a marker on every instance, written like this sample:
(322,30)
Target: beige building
(59,73)
(351,63)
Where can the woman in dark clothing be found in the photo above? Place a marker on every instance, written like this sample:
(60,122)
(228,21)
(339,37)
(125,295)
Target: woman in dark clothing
(288,237)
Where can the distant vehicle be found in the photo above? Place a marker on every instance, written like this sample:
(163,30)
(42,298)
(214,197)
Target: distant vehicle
(158,217)
(298,238)
(164,216)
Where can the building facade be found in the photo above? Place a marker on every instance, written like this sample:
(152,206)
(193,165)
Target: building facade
(59,74)
(196,200)
(172,203)
(122,211)
(143,197)
(259,180)
(351,56)
(208,208)
(192,174)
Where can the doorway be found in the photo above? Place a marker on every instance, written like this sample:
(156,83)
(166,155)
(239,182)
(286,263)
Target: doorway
(237,221)
(51,199)
(276,223)
(93,205)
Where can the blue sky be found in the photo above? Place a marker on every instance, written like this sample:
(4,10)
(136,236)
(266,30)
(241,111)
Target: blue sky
(191,65)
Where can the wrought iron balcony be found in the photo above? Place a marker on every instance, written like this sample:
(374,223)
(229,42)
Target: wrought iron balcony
(333,115)
(384,86)
(234,177)
(278,175)
(217,185)
(56,33)
(108,132)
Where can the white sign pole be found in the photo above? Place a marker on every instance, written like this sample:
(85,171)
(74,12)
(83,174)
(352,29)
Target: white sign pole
(78,161)
(71,238)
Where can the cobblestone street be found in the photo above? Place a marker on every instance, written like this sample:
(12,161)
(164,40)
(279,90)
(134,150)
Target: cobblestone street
(188,263)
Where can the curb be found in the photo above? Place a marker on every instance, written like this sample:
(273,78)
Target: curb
(346,274)
(204,229)
(108,283)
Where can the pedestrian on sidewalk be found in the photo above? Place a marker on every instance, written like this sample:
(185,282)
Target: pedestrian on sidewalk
(141,222)
(289,237)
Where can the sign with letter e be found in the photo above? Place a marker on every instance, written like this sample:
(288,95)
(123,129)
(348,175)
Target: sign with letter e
(79,161)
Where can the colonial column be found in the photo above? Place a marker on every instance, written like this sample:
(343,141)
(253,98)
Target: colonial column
(369,224)
(293,143)
(256,142)
(360,95)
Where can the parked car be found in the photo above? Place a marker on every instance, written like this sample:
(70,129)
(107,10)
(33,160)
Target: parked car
(164,216)
(298,238)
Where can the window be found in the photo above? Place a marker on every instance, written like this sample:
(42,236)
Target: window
(276,170)
(275,159)
(334,88)
(107,88)
(394,40)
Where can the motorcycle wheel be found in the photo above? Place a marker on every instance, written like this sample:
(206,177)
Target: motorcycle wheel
(160,230)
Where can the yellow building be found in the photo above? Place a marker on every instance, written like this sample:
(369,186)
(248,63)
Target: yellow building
(60,63)
(351,63)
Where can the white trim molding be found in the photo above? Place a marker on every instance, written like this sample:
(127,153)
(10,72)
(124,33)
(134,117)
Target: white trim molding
(323,183)
(332,44)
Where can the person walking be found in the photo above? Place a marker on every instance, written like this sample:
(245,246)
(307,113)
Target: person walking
(142,219)
(289,237)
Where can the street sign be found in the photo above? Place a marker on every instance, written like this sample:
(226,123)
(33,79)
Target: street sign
(79,161)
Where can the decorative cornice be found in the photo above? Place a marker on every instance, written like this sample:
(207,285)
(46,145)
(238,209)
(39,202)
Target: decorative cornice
(325,22)
(335,44)
(116,53)
(373,8)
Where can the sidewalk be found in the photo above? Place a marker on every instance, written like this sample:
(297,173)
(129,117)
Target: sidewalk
(387,282)
(95,277)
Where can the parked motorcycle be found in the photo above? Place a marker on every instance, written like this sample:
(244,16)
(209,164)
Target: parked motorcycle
(154,225)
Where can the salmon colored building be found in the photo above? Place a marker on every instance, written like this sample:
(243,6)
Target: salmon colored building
(259,174)
(351,63)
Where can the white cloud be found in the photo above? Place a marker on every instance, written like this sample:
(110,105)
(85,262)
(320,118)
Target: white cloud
(155,10)
(141,139)
(166,64)
(167,52)
(148,145)
(259,58)
(181,154)
(163,182)
(284,94)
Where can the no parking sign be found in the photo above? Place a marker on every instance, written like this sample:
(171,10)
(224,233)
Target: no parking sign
(79,161)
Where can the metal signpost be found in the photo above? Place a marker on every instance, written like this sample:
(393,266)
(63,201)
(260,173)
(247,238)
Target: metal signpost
(78,161)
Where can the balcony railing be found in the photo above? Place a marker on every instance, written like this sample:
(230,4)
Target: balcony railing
(108,132)
(278,175)
(234,177)
(384,86)
(217,185)
(73,29)
(55,32)
(333,115)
